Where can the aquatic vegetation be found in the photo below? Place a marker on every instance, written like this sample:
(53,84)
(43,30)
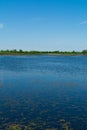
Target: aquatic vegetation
(43,93)
(14,127)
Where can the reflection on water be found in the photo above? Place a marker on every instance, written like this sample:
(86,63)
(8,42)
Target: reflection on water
(43,92)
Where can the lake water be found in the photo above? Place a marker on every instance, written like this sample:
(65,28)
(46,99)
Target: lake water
(43,92)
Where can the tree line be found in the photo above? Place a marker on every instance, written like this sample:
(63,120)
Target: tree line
(22,52)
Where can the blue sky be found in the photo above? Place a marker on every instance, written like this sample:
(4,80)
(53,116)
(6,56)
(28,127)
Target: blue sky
(43,24)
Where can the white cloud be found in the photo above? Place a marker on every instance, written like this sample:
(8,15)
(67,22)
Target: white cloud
(84,22)
(1,25)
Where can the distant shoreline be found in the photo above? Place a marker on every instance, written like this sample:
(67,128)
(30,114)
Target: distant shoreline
(43,54)
(50,53)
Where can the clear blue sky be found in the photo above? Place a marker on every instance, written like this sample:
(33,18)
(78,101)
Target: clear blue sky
(43,24)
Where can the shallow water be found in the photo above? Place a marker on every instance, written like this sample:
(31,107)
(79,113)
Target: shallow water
(46,91)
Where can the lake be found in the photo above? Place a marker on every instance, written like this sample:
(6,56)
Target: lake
(43,92)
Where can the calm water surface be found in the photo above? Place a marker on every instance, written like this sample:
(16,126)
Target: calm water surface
(43,92)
